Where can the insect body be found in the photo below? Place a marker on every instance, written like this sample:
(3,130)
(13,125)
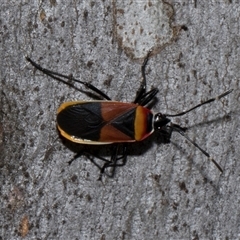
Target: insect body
(104,122)
(110,122)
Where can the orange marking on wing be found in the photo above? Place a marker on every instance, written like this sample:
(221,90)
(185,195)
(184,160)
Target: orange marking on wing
(111,110)
(111,134)
(141,123)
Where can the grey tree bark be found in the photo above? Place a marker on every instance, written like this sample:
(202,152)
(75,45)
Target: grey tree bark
(165,191)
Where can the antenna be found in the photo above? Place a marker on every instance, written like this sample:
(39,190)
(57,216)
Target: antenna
(199,105)
(179,130)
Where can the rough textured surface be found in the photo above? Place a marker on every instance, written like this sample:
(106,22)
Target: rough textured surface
(165,191)
(140,26)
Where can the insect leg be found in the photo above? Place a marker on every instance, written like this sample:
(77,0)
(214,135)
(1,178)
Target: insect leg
(114,162)
(143,86)
(79,154)
(147,97)
(59,77)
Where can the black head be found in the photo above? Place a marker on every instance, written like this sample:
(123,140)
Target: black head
(160,121)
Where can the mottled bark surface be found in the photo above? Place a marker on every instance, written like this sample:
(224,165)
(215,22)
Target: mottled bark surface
(165,191)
